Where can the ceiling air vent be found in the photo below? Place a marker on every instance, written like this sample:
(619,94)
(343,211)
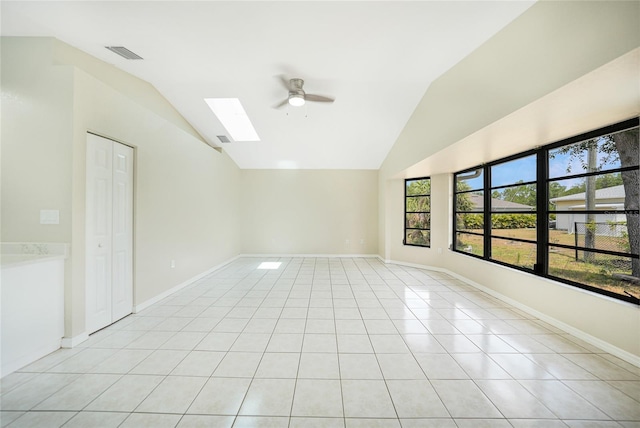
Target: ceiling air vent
(223,139)
(123,52)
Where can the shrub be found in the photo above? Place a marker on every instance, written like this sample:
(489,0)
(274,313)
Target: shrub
(473,221)
(513,221)
(500,221)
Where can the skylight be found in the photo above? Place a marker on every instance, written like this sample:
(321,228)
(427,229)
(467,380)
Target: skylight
(230,113)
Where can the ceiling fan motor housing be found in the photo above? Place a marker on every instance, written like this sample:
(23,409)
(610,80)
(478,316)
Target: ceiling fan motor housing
(296,94)
(296,84)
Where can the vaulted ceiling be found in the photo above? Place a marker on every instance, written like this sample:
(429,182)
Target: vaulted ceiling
(375,58)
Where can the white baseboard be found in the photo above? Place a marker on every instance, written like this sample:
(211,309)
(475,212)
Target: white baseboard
(169,292)
(597,342)
(9,367)
(330,256)
(72,342)
(414,265)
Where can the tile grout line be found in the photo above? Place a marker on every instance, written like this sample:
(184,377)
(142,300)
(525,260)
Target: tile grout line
(367,272)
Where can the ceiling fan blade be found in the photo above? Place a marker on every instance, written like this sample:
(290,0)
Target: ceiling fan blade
(281,104)
(284,81)
(318,98)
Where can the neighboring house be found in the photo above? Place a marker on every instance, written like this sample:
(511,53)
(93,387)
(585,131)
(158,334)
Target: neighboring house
(498,205)
(609,200)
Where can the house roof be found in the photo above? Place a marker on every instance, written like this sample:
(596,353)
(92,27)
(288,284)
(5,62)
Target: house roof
(499,205)
(614,192)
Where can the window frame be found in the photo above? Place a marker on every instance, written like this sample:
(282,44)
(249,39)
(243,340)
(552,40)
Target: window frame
(488,199)
(404,238)
(542,211)
(456,212)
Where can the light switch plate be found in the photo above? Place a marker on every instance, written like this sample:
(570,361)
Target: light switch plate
(49,216)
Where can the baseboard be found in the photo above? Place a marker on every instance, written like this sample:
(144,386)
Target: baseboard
(414,265)
(71,342)
(169,292)
(330,256)
(597,342)
(9,367)
(165,294)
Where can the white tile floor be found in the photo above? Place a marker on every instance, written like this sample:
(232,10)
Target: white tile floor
(321,342)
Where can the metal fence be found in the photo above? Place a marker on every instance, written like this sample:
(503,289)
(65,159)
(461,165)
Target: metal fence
(608,229)
(606,236)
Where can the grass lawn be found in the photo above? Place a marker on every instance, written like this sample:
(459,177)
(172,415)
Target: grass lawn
(562,261)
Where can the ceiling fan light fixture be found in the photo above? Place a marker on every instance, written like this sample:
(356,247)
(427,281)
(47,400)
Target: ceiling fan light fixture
(296,100)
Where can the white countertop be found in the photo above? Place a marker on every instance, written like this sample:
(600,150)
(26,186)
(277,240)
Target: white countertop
(13,260)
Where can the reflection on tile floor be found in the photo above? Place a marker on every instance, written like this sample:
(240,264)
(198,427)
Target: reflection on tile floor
(326,342)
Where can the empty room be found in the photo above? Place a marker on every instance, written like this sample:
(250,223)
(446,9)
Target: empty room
(354,214)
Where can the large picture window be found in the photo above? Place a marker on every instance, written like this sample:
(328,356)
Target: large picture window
(417,212)
(513,200)
(567,211)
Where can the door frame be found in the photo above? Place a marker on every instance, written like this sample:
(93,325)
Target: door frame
(134,178)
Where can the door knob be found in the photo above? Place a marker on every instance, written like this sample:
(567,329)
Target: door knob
(99,245)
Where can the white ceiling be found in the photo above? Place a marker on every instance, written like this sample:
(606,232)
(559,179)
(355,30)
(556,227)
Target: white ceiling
(376,58)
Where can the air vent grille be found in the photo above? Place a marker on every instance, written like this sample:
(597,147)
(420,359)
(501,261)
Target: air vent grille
(223,139)
(123,52)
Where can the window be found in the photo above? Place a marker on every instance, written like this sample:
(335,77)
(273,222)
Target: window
(567,211)
(417,212)
(513,212)
(469,211)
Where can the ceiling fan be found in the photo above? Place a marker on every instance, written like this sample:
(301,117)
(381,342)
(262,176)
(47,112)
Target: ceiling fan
(297,97)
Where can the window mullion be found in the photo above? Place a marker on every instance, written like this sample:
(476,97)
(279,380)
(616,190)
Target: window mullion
(487,212)
(542,211)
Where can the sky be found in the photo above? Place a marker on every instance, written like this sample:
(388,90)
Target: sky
(524,169)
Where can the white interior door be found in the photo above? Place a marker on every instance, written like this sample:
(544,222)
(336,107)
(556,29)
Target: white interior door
(122,231)
(109,234)
(98,221)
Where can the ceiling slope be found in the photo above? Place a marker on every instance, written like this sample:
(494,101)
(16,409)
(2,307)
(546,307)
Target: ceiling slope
(376,58)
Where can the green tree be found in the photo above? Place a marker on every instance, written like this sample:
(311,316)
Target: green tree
(419,187)
(556,190)
(523,194)
(609,180)
(602,182)
(464,203)
(463,200)
(627,146)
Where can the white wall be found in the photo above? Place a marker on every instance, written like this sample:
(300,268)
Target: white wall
(186,193)
(560,69)
(309,211)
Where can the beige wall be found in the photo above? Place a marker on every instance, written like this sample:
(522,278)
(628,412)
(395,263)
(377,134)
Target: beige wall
(194,206)
(186,193)
(543,78)
(548,46)
(37,118)
(190,200)
(309,211)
